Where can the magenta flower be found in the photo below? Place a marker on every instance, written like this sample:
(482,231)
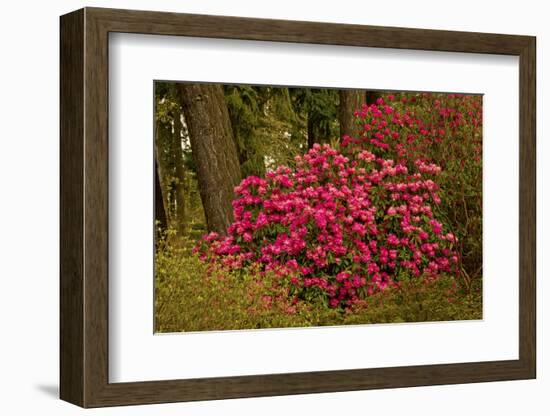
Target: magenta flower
(347,221)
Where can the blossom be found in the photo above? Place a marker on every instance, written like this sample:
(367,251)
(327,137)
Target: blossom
(345,221)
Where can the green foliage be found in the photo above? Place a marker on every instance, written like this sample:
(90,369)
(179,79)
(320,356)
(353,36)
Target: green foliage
(178,171)
(419,300)
(267,129)
(318,110)
(245,112)
(191,295)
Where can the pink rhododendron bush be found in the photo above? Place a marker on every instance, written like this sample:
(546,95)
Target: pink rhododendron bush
(380,225)
(445,129)
(350,220)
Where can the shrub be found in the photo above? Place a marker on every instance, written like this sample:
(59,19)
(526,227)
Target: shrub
(338,227)
(417,300)
(444,129)
(191,295)
(397,207)
(194,296)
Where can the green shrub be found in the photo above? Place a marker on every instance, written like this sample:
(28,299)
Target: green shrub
(191,295)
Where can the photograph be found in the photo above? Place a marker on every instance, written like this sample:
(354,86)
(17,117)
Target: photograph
(286,206)
(257,205)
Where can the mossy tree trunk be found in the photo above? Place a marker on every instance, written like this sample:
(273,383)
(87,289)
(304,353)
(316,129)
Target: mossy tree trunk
(180,176)
(162,204)
(214,151)
(317,130)
(350,101)
(160,209)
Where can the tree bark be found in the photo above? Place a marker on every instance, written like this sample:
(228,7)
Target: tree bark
(161,193)
(180,188)
(214,151)
(315,132)
(350,101)
(310,133)
(160,209)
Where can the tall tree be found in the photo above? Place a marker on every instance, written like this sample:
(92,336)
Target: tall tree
(245,112)
(173,175)
(214,151)
(350,101)
(162,199)
(160,209)
(180,175)
(319,107)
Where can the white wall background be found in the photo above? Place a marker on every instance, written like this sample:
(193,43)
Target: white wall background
(29,207)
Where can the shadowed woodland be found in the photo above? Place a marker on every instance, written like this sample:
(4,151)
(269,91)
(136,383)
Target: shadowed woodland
(210,136)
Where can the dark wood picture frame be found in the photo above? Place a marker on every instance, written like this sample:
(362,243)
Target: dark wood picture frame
(84,207)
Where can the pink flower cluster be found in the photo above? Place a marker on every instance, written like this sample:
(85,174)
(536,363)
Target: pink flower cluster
(340,225)
(410,128)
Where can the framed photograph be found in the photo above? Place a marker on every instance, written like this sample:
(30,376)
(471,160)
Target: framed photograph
(254,207)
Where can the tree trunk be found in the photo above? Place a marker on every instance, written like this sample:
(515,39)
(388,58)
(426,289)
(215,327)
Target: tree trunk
(161,192)
(160,209)
(372,96)
(350,101)
(180,189)
(315,131)
(310,133)
(214,151)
